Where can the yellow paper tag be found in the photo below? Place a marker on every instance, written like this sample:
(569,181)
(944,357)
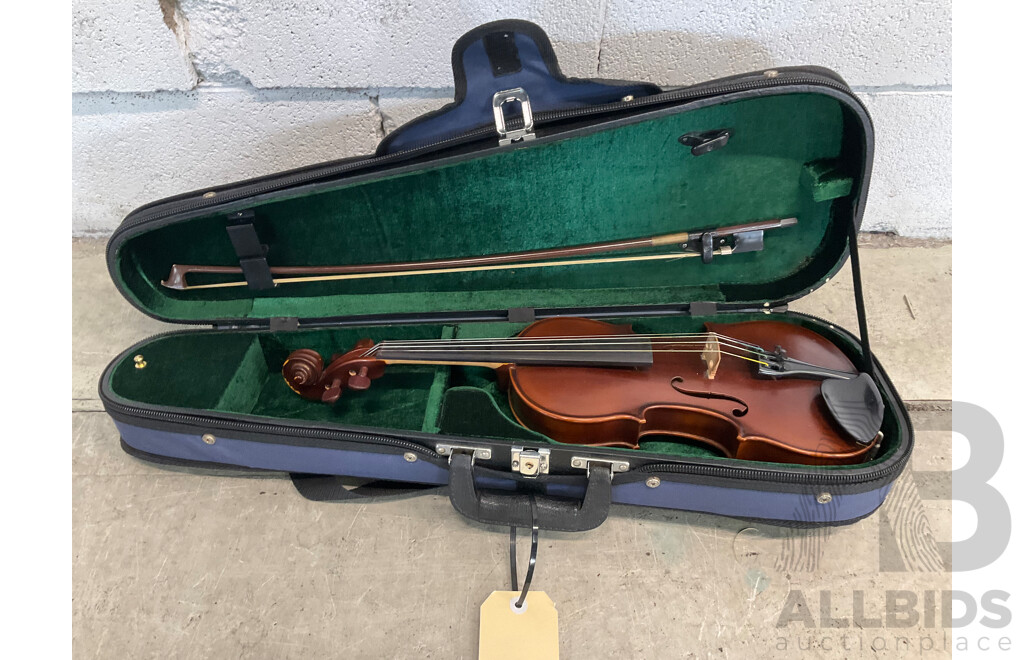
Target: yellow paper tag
(529,633)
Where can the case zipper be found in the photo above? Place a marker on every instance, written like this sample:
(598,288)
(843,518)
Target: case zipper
(263,427)
(817,478)
(759,474)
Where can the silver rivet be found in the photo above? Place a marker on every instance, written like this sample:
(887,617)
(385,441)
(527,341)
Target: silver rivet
(442,450)
(653,482)
(209,194)
(627,98)
(824,498)
(140,362)
(515,464)
(209,439)
(623,466)
(771,73)
(577,462)
(410,457)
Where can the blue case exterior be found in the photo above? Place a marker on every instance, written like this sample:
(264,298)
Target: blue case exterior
(792,507)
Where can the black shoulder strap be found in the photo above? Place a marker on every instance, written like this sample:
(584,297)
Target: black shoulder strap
(327,488)
(868,366)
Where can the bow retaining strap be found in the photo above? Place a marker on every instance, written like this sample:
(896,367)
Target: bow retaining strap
(252,255)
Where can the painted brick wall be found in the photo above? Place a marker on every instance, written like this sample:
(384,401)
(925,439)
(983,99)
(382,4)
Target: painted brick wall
(173,95)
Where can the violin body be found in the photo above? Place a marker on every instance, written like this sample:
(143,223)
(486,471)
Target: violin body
(586,382)
(739,413)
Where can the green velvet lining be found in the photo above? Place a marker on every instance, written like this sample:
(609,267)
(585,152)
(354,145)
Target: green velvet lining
(482,412)
(827,180)
(187,371)
(789,155)
(245,385)
(240,372)
(442,377)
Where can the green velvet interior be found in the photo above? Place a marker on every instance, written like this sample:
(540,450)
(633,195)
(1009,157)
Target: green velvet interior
(789,155)
(240,372)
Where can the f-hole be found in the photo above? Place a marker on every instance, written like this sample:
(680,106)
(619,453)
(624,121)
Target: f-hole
(737,412)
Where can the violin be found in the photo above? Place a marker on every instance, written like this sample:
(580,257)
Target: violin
(587,382)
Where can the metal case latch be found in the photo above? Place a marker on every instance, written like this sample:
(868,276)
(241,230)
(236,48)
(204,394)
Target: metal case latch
(531,462)
(498,102)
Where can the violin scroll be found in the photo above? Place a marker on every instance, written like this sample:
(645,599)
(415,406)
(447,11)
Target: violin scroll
(305,374)
(303,367)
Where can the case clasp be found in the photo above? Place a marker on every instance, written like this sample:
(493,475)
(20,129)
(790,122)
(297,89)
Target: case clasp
(498,102)
(531,462)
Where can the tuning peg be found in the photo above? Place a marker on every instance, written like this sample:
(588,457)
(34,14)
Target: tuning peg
(359,380)
(332,393)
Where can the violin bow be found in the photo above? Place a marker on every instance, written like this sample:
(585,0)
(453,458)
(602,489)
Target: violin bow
(705,243)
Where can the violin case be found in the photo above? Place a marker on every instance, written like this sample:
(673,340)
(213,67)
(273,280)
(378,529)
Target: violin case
(602,160)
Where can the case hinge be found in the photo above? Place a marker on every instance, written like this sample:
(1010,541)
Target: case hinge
(531,462)
(701,308)
(445,449)
(583,463)
(522,315)
(498,102)
(284,323)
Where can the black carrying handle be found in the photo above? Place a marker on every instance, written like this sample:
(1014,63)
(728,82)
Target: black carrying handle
(514,509)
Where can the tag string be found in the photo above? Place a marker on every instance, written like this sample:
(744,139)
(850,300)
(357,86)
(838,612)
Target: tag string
(533,554)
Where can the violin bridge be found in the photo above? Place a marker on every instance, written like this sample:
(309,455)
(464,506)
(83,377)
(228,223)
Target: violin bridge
(712,356)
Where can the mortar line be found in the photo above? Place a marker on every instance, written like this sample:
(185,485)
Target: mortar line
(404,92)
(902,88)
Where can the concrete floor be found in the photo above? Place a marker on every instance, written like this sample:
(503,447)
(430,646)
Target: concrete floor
(172,564)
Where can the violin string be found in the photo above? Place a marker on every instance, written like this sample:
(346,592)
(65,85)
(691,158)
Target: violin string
(582,349)
(610,341)
(529,345)
(583,340)
(694,335)
(546,337)
(690,350)
(575,348)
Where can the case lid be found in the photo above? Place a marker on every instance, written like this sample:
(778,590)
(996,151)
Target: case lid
(598,165)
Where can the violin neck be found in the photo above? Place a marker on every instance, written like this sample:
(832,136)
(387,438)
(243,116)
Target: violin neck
(635,353)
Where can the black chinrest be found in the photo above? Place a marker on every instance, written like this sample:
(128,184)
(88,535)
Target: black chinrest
(856,405)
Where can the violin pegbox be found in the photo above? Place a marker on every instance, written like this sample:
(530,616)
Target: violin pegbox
(305,374)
